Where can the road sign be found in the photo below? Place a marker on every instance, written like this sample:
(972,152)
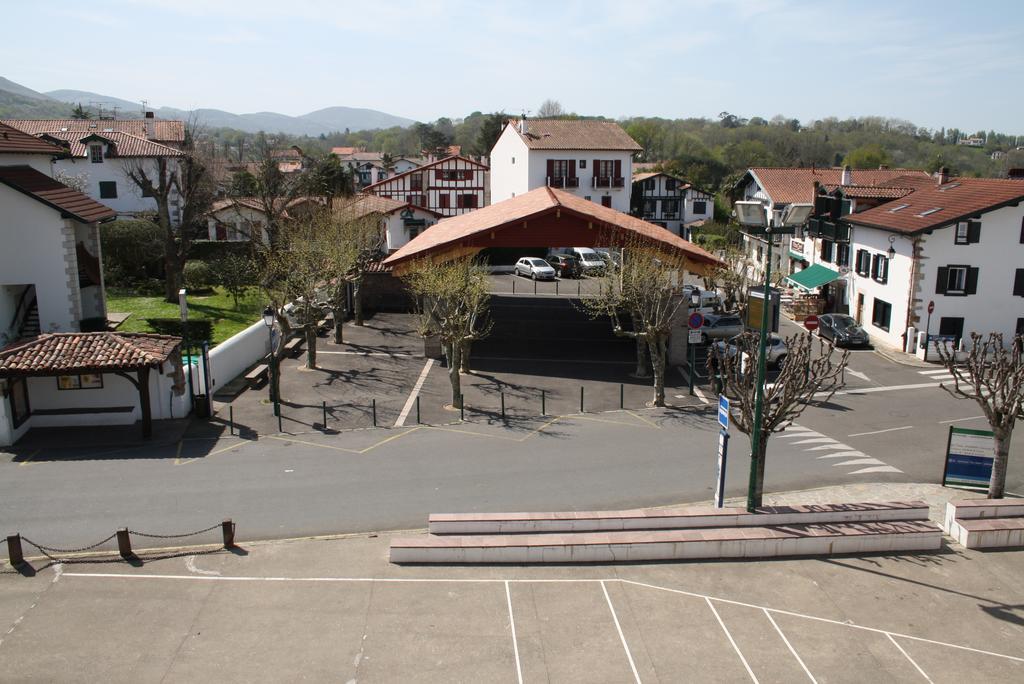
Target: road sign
(696,320)
(811,323)
(723,453)
(931,307)
(723,411)
(969,458)
(694,337)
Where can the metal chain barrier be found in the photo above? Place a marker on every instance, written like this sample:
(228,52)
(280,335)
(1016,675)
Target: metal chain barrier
(49,550)
(172,536)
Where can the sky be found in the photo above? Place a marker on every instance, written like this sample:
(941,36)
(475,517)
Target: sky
(937,63)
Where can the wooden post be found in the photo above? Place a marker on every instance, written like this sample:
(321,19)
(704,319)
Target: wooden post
(228,530)
(147,413)
(231,418)
(374,413)
(543,408)
(325,415)
(124,543)
(14,552)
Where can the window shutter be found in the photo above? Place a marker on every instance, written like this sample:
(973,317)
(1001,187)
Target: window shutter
(618,168)
(551,168)
(597,167)
(884,266)
(1022,230)
(572,168)
(1018,283)
(971,287)
(943,278)
(973,232)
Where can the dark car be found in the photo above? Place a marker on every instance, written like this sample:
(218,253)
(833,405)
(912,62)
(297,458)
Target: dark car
(842,330)
(566,266)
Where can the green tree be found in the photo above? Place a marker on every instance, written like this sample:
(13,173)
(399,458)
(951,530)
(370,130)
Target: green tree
(80,112)
(490,130)
(243,184)
(867,157)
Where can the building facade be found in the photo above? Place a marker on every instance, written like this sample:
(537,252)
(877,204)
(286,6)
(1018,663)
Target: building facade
(447,187)
(590,159)
(670,202)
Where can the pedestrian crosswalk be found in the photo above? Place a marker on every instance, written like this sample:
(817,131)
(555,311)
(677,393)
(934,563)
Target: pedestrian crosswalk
(845,455)
(937,374)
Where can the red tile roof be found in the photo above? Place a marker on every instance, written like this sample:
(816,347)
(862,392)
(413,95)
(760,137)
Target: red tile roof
(541,201)
(575,134)
(124,144)
(787,185)
(941,205)
(164,130)
(97,352)
(39,186)
(365,204)
(15,141)
(869,191)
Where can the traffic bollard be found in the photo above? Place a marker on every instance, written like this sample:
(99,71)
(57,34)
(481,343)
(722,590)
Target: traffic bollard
(502,404)
(622,395)
(417,409)
(325,415)
(556,288)
(374,413)
(280,428)
(543,408)
(124,543)
(462,407)
(578,285)
(227,529)
(14,552)
(231,418)
(513,283)
(581,398)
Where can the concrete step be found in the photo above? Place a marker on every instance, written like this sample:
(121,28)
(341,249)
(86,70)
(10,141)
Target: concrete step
(708,543)
(689,517)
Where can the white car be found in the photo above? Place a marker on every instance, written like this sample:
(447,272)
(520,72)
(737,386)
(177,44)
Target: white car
(534,267)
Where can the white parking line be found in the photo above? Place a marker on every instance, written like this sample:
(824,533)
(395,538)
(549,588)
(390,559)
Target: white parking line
(790,646)
(731,640)
(701,396)
(396,355)
(415,393)
(878,432)
(515,642)
(916,666)
(632,665)
(960,420)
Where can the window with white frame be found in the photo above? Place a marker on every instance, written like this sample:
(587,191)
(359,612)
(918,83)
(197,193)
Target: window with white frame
(96,154)
(961,233)
(956,280)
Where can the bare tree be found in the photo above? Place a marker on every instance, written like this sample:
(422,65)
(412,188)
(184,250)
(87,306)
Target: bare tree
(452,299)
(550,109)
(186,176)
(357,242)
(645,289)
(732,278)
(993,377)
(274,192)
(804,378)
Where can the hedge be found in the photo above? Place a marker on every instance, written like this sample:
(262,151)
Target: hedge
(211,251)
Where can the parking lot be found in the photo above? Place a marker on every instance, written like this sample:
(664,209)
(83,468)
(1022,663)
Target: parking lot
(335,609)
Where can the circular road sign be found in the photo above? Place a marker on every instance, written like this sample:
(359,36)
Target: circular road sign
(931,306)
(696,320)
(811,322)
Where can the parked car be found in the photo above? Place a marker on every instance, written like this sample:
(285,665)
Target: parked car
(536,268)
(589,259)
(611,258)
(566,265)
(775,351)
(720,327)
(842,330)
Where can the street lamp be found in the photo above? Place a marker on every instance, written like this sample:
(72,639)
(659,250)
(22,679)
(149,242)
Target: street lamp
(753,216)
(268,320)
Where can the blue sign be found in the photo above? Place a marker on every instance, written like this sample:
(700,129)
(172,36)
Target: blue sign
(696,320)
(723,411)
(969,458)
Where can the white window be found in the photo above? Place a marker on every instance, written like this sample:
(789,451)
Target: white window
(956,280)
(96,154)
(583,163)
(961,233)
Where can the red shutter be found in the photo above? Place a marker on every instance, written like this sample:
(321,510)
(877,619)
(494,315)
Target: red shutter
(618,168)
(443,200)
(458,201)
(551,170)
(572,168)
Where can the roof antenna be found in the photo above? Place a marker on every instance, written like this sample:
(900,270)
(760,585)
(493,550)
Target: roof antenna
(144,103)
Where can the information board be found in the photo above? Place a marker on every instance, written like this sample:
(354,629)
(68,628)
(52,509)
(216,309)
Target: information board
(969,458)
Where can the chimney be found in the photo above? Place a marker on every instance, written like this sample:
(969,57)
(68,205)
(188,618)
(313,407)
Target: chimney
(847,177)
(522,125)
(149,115)
(883,167)
(942,177)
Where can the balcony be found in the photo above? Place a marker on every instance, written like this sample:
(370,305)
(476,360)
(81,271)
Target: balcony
(618,182)
(602,181)
(563,181)
(669,215)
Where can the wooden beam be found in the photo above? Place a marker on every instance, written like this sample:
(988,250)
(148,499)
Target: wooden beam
(147,413)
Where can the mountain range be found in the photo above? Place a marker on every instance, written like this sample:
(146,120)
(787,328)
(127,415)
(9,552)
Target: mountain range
(20,102)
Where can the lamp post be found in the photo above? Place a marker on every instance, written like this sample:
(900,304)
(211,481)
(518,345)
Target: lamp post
(752,215)
(694,304)
(268,320)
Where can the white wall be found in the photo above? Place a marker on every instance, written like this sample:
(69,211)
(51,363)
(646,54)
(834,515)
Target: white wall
(240,220)
(42,163)
(395,230)
(233,356)
(895,291)
(510,170)
(129,200)
(33,244)
(620,196)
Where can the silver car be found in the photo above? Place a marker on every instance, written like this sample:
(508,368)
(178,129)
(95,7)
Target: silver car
(720,327)
(775,351)
(535,267)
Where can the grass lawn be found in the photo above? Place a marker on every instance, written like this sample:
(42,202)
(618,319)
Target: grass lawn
(218,307)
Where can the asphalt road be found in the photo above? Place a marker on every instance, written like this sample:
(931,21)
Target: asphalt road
(890,424)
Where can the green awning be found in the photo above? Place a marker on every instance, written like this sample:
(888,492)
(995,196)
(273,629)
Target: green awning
(813,277)
(797,255)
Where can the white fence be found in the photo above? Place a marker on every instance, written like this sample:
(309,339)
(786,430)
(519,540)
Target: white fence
(230,358)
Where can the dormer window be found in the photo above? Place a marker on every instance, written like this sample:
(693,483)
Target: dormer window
(96,154)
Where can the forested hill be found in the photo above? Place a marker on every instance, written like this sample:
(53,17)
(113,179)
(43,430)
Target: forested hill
(711,152)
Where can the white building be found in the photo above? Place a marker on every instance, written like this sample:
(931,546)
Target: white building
(98,152)
(664,200)
(399,221)
(591,159)
(448,187)
(957,242)
(777,188)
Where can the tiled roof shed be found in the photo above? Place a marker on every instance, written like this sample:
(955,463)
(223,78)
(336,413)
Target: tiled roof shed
(19,142)
(70,203)
(932,205)
(96,352)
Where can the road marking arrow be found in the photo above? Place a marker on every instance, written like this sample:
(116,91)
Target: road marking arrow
(858,374)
